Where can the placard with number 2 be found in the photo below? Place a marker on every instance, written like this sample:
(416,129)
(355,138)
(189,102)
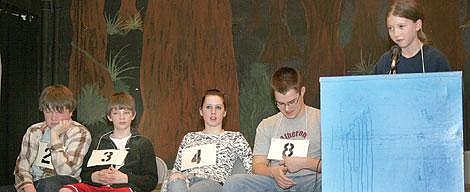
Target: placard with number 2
(43,159)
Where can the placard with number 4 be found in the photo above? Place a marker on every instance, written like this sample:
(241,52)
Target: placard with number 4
(198,156)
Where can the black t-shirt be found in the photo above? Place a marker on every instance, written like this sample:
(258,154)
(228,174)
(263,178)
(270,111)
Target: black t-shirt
(434,61)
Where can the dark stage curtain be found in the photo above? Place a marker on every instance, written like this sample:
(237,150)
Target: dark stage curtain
(20,84)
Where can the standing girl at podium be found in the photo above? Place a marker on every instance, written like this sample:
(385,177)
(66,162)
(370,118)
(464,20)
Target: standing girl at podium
(405,28)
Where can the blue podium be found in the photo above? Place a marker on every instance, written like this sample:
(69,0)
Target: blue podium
(392,133)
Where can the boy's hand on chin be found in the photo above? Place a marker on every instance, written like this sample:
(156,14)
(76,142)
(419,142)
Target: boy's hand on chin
(62,127)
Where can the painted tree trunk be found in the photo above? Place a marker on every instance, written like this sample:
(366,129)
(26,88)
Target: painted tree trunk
(127,9)
(366,43)
(441,23)
(280,46)
(187,48)
(323,55)
(88,56)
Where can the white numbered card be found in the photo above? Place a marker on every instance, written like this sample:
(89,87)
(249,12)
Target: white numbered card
(107,157)
(198,156)
(287,147)
(43,159)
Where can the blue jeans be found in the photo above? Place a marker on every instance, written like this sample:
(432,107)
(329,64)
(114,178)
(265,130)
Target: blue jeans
(257,183)
(53,183)
(196,184)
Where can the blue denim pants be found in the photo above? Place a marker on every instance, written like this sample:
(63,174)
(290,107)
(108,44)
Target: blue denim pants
(258,183)
(196,184)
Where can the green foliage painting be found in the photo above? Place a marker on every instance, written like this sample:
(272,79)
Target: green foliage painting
(116,25)
(115,65)
(364,67)
(91,106)
(256,100)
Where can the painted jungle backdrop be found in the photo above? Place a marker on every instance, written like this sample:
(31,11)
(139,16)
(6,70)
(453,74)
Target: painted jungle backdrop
(167,53)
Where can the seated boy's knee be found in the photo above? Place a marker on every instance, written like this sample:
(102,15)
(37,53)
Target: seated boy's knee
(65,190)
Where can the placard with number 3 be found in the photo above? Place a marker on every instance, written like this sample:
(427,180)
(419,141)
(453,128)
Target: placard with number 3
(198,156)
(107,157)
(287,147)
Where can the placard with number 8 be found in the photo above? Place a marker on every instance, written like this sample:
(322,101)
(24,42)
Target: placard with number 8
(287,147)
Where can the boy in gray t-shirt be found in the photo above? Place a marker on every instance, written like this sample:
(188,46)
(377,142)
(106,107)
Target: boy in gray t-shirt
(295,121)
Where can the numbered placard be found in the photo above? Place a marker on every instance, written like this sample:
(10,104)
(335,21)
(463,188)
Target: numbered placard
(198,156)
(287,147)
(107,157)
(43,159)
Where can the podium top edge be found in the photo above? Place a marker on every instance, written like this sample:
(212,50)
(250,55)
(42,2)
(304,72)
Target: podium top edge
(455,74)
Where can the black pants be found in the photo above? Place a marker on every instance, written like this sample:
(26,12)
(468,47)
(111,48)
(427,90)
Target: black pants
(50,184)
